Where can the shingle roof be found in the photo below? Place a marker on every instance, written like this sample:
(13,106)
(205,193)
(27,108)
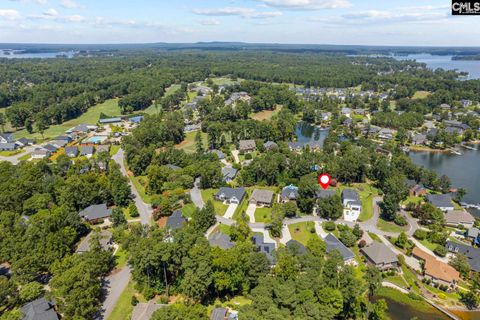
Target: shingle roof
(105,239)
(39,309)
(50,147)
(296,246)
(218,314)
(176,220)
(473,254)
(289,193)
(263,196)
(73,151)
(96,211)
(334,244)
(440,200)
(229,173)
(8,146)
(379,253)
(220,240)
(144,311)
(267,248)
(229,193)
(435,268)
(350,194)
(86,150)
(219,154)
(323,194)
(247,144)
(458,217)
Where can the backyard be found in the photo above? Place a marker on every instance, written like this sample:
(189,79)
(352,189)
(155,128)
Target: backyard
(208,194)
(302,231)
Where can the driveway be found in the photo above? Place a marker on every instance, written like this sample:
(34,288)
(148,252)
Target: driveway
(251,211)
(144,209)
(113,287)
(235,154)
(196,194)
(230,210)
(286,236)
(266,235)
(410,261)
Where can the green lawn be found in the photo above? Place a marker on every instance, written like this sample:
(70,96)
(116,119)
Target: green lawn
(208,194)
(366,192)
(412,199)
(139,183)
(374,237)
(25,157)
(398,280)
(235,303)
(430,245)
(418,305)
(301,231)
(188,210)
(263,215)
(389,226)
(123,309)
(114,149)
(421,94)
(9,153)
(266,114)
(188,145)
(121,258)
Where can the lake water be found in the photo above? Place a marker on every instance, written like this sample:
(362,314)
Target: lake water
(41,55)
(446,63)
(399,311)
(306,132)
(464,170)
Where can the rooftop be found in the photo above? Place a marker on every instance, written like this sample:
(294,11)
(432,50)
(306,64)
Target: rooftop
(379,253)
(334,244)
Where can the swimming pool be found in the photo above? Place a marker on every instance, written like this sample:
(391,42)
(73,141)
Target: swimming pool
(96,139)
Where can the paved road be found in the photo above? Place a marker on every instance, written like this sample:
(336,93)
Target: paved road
(144,209)
(196,195)
(114,285)
(15,159)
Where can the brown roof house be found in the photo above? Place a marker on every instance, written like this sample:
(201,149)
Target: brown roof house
(439,272)
(262,197)
(456,218)
(379,255)
(247,146)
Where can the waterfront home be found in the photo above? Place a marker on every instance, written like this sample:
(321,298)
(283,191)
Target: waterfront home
(419,139)
(334,244)
(266,248)
(437,271)
(221,240)
(247,146)
(456,218)
(262,197)
(289,193)
(40,153)
(351,204)
(441,201)
(229,174)
(230,195)
(386,134)
(472,254)
(96,213)
(415,189)
(176,220)
(381,256)
(39,309)
(72,152)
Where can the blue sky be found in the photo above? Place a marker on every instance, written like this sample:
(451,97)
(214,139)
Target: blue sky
(374,22)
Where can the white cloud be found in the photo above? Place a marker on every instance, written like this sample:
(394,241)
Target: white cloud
(51,12)
(389,16)
(209,22)
(69,4)
(238,11)
(307,4)
(75,18)
(10,14)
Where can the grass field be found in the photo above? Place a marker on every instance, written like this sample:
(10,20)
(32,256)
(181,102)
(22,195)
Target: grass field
(430,245)
(188,210)
(235,302)
(123,309)
(139,183)
(109,107)
(120,258)
(301,231)
(388,226)
(263,215)
(412,199)
(208,194)
(25,157)
(114,149)
(266,114)
(188,145)
(5,153)
(421,94)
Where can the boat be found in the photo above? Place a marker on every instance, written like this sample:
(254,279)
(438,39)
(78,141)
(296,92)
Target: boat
(458,153)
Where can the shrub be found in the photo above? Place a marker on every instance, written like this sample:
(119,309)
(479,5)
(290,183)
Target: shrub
(440,251)
(420,234)
(329,225)
(134,301)
(442,296)
(400,220)
(362,243)
(248,156)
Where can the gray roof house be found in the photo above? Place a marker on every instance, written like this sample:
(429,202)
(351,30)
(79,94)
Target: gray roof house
(380,256)
(219,154)
(350,196)
(247,145)
(87,151)
(472,233)
(473,254)
(39,309)
(40,153)
(262,197)
(50,147)
(334,244)
(145,310)
(6,138)
(289,193)
(25,142)
(265,247)
(105,239)
(103,148)
(323,194)
(96,212)
(229,173)
(9,146)
(72,152)
(176,220)
(218,314)
(295,247)
(456,218)
(220,240)
(441,201)
(230,195)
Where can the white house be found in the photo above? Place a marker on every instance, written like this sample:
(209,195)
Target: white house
(352,206)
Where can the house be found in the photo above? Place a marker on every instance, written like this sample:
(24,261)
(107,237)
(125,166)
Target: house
(219,314)
(145,310)
(441,201)
(379,255)
(437,271)
(415,189)
(23,142)
(472,254)
(87,151)
(96,213)
(219,154)
(6,138)
(334,244)
(289,193)
(82,128)
(221,240)
(72,152)
(266,248)
(230,195)
(385,134)
(39,309)
(40,153)
(262,197)
(323,194)
(9,146)
(445,106)
(176,220)
(270,145)
(136,119)
(67,138)
(295,247)
(59,143)
(50,147)
(456,218)
(346,112)
(419,139)
(110,121)
(352,204)
(104,237)
(229,174)
(247,146)
(473,234)
(103,148)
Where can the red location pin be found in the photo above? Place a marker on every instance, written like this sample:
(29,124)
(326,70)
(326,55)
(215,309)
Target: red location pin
(324,180)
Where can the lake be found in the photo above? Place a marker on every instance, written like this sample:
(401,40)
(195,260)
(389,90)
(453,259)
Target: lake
(400,311)
(445,62)
(306,132)
(41,55)
(464,170)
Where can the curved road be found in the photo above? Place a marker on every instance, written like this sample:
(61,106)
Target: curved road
(15,159)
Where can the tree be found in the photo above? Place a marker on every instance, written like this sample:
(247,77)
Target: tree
(347,237)
(460,263)
(181,312)
(132,208)
(330,207)
(373,277)
(402,241)
(357,231)
(199,142)
(204,218)
(440,250)
(3,122)
(461,192)
(30,291)
(276,225)
(290,209)
(378,310)
(118,218)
